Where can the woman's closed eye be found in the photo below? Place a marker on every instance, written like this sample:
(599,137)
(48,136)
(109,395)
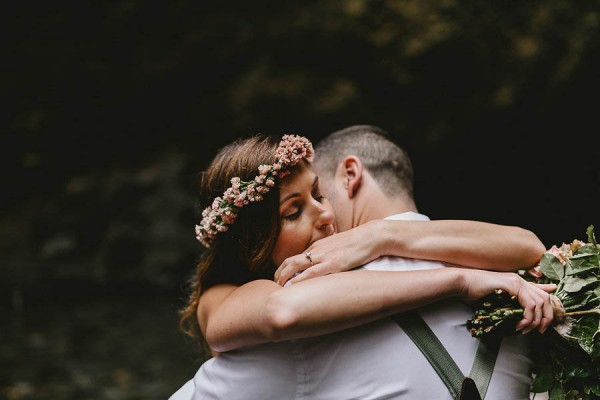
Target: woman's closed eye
(300,200)
(293,213)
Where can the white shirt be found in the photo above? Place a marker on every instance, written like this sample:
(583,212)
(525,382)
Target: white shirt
(373,361)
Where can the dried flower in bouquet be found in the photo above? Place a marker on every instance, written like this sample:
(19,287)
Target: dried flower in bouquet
(567,357)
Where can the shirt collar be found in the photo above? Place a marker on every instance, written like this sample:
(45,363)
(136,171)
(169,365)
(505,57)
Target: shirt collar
(408,216)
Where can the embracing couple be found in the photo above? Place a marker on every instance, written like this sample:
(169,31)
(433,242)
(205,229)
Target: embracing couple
(281,220)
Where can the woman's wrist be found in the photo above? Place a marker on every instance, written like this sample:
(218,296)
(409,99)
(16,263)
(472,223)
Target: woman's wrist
(459,281)
(450,281)
(390,243)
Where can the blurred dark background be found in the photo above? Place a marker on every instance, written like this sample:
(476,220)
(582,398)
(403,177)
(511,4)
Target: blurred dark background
(111,110)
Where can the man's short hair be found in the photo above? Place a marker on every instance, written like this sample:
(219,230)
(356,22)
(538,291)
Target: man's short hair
(389,165)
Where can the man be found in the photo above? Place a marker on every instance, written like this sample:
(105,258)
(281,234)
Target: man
(366,176)
(370,179)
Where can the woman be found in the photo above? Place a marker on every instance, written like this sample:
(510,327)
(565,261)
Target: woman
(255,226)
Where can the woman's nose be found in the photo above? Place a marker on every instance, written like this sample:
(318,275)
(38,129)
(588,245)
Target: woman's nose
(325,216)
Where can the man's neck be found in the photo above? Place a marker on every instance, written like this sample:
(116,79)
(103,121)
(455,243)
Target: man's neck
(379,206)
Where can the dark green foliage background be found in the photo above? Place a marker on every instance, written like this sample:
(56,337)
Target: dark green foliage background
(111,109)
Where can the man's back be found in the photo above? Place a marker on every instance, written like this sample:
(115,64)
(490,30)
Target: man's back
(379,361)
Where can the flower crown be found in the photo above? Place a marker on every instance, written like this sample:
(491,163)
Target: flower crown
(224,210)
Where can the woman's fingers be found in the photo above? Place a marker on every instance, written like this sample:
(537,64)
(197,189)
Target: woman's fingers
(335,253)
(314,271)
(299,268)
(545,305)
(548,316)
(546,309)
(290,266)
(528,312)
(538,313)
(546,287)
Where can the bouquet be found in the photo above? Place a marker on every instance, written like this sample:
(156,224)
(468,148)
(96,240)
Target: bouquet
(566,358)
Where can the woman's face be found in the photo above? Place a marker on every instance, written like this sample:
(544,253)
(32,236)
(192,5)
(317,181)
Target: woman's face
(306,216)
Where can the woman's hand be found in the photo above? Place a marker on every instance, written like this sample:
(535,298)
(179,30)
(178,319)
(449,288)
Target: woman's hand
(336,253)
(466,243)
(534,298)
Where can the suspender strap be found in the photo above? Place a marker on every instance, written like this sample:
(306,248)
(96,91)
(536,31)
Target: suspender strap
(483,365)
(439,358)
(420,333)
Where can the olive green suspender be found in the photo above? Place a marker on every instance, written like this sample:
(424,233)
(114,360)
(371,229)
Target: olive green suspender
(473,387)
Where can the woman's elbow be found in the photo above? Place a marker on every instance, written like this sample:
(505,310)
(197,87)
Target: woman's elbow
(534,248)
(280,319)
(276,322)
(215,342)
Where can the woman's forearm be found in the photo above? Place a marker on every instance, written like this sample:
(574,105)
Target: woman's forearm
(262,311)
(466,243)
(322,305)
(335,302)
(463,243)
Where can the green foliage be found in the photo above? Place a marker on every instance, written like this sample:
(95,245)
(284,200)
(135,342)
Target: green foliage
(551,267)
(544,379)
(574,284)
(566,358)
(591,236)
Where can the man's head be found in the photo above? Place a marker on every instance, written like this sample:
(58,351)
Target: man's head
(364,174)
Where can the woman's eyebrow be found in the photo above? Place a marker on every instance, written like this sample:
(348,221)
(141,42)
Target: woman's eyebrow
(289,196)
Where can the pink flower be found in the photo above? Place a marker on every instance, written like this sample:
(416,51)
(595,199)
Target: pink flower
(558,253)
(575,245)
(222,228)
(228,217)
(535,272)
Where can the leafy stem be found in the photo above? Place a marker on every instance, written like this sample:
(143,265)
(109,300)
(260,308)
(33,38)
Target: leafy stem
(583,312)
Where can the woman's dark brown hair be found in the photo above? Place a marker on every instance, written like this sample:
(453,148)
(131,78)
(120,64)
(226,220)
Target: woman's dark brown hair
(243,253)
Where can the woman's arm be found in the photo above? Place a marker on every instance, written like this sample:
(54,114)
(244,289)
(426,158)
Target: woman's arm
(466,243)
(262,311)
(471,244)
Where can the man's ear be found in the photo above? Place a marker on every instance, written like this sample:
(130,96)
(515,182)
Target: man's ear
(353,174)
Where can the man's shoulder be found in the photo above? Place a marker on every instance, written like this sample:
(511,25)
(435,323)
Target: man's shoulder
(186,392)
